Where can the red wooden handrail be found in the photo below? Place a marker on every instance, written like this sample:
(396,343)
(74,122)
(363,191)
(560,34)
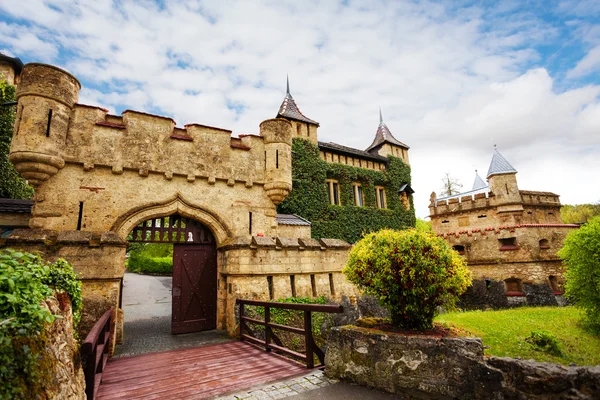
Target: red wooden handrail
(94,354)
(311,346)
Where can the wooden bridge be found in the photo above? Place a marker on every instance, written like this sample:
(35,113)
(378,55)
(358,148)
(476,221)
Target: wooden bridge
(200,372)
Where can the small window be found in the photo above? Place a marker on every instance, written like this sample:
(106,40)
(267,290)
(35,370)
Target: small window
(380,194)
(459,248)
(482,216)
(556,287)
(445,221)
(333,192)
(513,287)
(508,244)
(359,199)
(544,244)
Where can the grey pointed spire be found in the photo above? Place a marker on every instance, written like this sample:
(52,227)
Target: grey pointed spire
(479,183)
(289,109)
(499,165)
(384,135)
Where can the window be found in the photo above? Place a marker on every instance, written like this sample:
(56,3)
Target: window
(333,191)
(359,199)
(380,194)
(544,244)
(508,244)
(460,249)
(513,287)
(556,287)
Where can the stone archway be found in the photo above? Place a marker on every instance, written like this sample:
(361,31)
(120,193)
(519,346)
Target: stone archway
(175,205)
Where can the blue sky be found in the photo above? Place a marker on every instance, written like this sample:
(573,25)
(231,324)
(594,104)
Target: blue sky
(452,78)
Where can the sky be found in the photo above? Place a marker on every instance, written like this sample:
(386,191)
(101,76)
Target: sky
(453,78)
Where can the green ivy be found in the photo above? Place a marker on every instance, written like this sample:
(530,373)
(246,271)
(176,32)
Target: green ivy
(25,282)
(309,199)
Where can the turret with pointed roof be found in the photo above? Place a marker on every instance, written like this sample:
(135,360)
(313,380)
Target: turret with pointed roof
(479,183)
(303,126)
(502,178)
(386,144)
(499,165)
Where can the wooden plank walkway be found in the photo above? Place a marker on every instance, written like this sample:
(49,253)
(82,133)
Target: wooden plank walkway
(195,373)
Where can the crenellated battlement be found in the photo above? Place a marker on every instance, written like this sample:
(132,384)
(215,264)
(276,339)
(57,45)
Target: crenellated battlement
(463,203)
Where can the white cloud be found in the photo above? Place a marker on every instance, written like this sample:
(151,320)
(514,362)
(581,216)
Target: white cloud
(588,64)
(451,82)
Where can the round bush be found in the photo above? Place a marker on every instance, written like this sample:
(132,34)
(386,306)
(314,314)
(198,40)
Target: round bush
(581,255)
(411,273)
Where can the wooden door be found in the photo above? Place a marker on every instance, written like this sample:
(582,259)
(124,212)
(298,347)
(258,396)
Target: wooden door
(194,288)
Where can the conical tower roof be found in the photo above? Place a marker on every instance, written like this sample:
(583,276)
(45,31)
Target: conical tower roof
(384,135)
(289,109)
(499,165)
(479,183)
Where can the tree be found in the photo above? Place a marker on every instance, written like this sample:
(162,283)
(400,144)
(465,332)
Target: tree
(12,186)
(411,272)
(450,186)
(572,214)
(581,256)
(423,225)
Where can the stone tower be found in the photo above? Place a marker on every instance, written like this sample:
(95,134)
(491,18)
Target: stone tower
(277,134)
(302,126)
(385,144)
(46,98)
(10,69)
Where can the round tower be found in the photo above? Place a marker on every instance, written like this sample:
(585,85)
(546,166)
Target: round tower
(277,134)
(46,95)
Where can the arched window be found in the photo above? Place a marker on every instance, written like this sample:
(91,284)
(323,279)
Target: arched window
(544,244)
(556,287)
(459,248)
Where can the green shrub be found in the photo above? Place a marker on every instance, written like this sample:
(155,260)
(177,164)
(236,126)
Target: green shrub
(143,264)
(25,282)
(411,273)
(581,256)
(545,341)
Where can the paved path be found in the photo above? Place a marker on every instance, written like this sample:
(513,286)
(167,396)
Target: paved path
(147,308)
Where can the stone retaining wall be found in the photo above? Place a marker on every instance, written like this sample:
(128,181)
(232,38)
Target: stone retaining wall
(427,367)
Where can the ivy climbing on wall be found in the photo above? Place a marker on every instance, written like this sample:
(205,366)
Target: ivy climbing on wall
(309,199)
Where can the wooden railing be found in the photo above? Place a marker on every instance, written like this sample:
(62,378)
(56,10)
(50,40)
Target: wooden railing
(94,354)
(311,347)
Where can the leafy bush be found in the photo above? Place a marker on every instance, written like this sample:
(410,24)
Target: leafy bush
(411,273)
(581,255)
(144,264)
(25,282)
(545,341)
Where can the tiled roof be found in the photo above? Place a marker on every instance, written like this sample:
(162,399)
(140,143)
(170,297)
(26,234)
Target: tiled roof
(479,183)
(289,109)
(292,219)
(15,62)
(338,148)
(384,135)
(499,165)
(15,206)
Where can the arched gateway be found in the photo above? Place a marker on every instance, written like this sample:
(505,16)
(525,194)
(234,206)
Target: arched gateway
(99,177)
(194,306)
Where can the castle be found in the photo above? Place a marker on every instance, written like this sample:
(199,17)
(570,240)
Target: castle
(102,180)
(508,236)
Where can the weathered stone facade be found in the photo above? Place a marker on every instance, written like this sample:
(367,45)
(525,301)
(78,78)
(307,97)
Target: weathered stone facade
(97,176)
(509,238)
(426,367)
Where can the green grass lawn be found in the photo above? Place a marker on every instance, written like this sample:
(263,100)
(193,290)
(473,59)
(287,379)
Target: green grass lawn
(504,331)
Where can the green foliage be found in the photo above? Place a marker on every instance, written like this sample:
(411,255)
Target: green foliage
(573,214)
(581,256)
(423,226)
(410,272)
(544,341)
(348,222)
(143,264)
(12,186)
(25,282)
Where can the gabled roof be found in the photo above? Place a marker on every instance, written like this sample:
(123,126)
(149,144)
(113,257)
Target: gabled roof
(384,135)
(289,109)
(499,165)
(479,183)
(15,62)
(292,219)
(405,187)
